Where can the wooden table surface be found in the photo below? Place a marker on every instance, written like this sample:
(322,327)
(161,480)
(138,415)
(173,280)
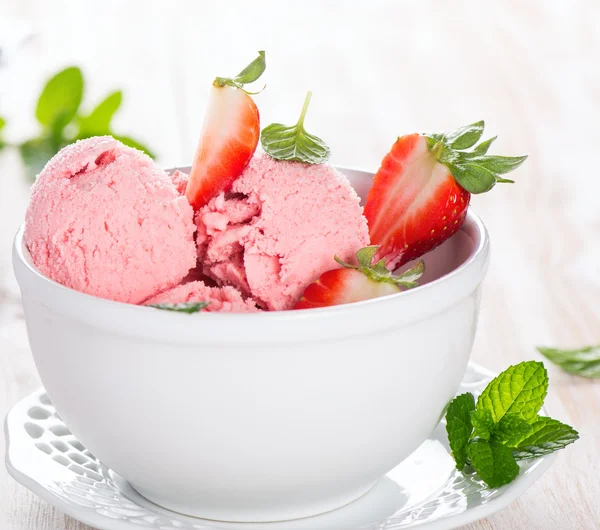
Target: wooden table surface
(531,69)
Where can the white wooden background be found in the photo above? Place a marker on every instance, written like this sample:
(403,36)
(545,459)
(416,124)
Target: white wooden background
(530,68)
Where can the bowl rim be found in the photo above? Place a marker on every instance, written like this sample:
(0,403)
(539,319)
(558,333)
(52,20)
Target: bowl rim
(437,294)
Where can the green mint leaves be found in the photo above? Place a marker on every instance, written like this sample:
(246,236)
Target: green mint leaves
(459,426)
(186,307)
(471,166)
(493,462)
(583,361)
(248,75)
(58,111)
(380,273)
(284,142)
(2,125)
(520,389)
(503,426)
(60,98)
(545,436)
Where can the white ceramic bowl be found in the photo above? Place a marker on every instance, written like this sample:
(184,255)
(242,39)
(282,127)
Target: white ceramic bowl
(258,417)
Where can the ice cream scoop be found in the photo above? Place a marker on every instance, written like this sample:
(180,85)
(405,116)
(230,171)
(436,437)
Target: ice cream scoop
(279,228)
(104,219)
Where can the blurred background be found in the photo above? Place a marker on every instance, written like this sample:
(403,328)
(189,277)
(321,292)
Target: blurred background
(378,69)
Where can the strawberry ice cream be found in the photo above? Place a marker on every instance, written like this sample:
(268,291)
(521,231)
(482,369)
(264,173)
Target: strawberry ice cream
(279,228)
(106,220)
(224,299)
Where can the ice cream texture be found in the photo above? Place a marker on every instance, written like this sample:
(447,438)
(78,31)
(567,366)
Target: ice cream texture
(279,228)
(224,299)
(104,219)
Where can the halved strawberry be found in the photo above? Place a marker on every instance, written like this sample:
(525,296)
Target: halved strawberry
(422,190)
(354,283)
(229,136)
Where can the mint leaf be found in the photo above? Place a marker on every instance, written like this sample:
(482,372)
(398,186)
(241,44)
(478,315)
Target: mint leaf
(2,125)
(545,437)
(483,423)
(35,153)
(127,140)
(248,75)
(186,307)
(582,361)
(520,390)
(466,137)
(510,429)
(493,462)
(459,427)
(60,98)
(97,123)
(283,142)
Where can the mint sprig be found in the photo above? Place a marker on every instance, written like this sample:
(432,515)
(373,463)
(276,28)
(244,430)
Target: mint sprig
(284,142)
(248,75)
(58,111)
(503,426)
(471,166)
(2,125)
(185,307)
(380,273)
(520,389)
(459,426)
(582,361)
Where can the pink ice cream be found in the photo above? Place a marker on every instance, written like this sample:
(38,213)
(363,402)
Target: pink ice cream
(279,228)
(224,299)
(104,219)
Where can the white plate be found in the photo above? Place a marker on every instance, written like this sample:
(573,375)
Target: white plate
(424,491)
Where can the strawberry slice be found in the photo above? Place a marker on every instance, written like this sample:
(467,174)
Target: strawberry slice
(229,137)
(354,283)
(422,190)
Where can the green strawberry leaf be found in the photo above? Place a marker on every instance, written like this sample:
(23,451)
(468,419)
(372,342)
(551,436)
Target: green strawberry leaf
(465,137)
(545,437)
(60,98)
(284,142)
(127,140)
(186,307)
(483,423)
(483,147)
(520,390)
(253,71)
(97,123)
(248,75)
(409,278)
(493,462)
(475,170)
(365,256)
(510,429)
(475,179)
(582,361)
(379,272)
(498,165)
(459,427)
